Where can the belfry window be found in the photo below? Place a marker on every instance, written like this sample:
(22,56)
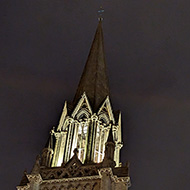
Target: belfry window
(99,145)
(81,140)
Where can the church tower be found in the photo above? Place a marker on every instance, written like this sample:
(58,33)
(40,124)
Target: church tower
(83,151)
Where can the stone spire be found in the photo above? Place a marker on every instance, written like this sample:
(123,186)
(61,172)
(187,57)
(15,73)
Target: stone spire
(94,80)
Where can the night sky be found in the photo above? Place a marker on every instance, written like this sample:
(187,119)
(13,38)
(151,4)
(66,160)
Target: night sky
(44,47)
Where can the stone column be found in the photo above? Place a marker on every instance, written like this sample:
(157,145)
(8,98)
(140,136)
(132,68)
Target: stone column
(69,140)
(100,142)
(91,139)
(117,153)
(95,122)
(47,154)
(56,150)
(75,137)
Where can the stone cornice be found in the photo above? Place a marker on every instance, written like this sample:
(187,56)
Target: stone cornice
(114,178)
(26,187)
(52,181)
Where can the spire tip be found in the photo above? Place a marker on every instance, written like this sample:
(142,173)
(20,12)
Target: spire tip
(100,14)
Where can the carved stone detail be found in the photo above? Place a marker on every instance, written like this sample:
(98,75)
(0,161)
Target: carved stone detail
(34,178)
(26,187)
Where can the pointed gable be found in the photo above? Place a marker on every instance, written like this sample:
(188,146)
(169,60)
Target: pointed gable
(106,109)
(94,80)
(83,106)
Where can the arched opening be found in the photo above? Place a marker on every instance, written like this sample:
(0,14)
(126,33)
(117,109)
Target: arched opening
(81,140)
(99,144)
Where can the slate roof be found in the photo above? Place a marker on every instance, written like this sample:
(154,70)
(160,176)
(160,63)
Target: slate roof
(94,80)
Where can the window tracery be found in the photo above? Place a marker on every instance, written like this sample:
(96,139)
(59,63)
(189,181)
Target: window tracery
(83,113)
(81,140)
(99,144)
(104,118)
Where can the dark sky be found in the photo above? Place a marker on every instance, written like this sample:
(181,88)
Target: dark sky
(44,46)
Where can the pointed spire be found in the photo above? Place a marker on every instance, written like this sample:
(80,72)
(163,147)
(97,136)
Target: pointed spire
(24,179)
(36,167)
(94,80)
(47,152)
(50,142)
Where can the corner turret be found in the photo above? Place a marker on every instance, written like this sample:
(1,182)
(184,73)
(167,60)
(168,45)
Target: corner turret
(47,152)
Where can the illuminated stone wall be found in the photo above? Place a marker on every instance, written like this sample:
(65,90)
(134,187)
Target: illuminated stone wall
(86,131)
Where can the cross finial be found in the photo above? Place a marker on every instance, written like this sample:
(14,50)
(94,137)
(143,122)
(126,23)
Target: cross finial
(100,13)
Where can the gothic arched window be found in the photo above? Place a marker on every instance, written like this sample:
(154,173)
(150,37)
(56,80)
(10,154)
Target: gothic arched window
(99,144)
(81,141)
